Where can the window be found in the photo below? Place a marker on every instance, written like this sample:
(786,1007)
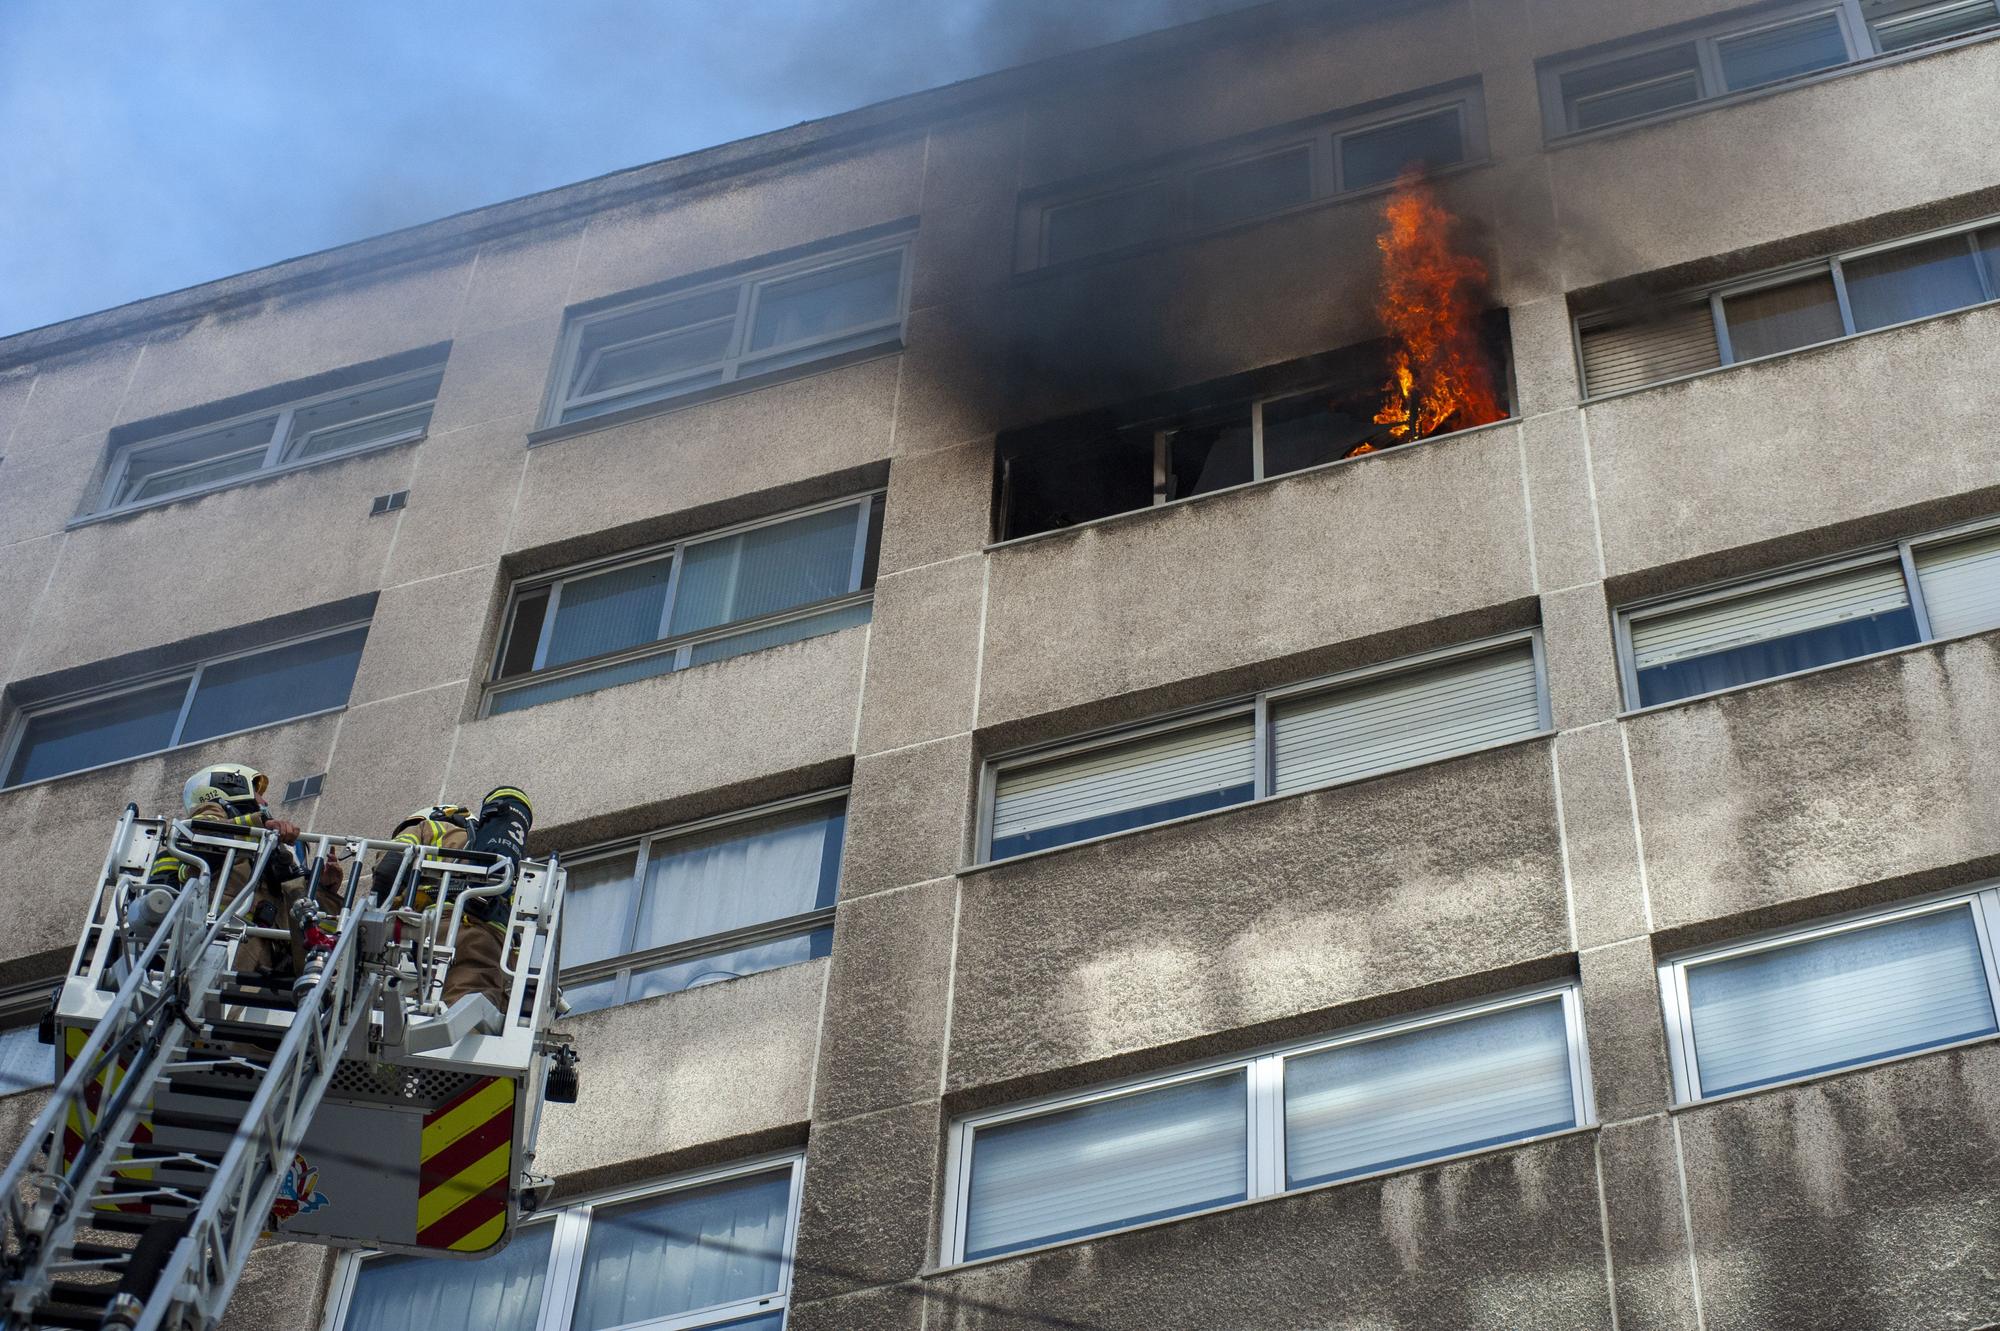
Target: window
(1922,590)
(1484,1074)
(216,697)
(666,346)
(1325,733)
(1864,988)
(1158,452)
(1738,54)
(25,1062)
(388,411)
(702,600)
(1263,176)
(717,900)
(711,1250)
(1851,293)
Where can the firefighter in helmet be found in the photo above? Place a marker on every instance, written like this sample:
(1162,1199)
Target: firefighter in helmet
(499,828)
(235,794)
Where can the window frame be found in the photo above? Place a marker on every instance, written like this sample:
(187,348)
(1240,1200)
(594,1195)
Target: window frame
(1264,1083)
(1902,553)
(1320,136)
(1983,900)
(1258,706)
(560,1279)
(623,965)
(279,448)
(1863,49)
(681,645)
(883,336)
(1988,271)
(25,716)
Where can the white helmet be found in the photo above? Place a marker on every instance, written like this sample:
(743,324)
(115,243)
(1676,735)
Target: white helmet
(232,785)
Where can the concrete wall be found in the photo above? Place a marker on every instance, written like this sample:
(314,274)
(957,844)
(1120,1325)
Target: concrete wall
(1855,1201)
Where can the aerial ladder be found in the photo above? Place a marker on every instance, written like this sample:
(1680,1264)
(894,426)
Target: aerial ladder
(197,1107)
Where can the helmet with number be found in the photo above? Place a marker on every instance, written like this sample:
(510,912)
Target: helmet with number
(232,785)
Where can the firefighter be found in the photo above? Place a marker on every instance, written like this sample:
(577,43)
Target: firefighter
(235,794)
(500,827)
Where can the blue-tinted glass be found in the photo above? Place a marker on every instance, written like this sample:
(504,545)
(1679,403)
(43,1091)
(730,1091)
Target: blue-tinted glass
(587,681)
(698,1248)
(1376,156)
(1043,838)
(777,635)
(1777,656)
(502,1292)
(609,611)
(1634,86)
(767,569)
(1912,283)
(731,965)
(823,304)
(25,1062)
(1902,24)
(272,686)
(1772,319)
(1782,52)
(98,732)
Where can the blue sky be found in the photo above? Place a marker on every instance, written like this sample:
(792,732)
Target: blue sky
(147,145)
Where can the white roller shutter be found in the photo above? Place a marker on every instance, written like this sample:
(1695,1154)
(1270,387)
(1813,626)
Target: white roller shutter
(1159,768)
(1775,613)
(1405,719)
(1629,355)
(1961,585)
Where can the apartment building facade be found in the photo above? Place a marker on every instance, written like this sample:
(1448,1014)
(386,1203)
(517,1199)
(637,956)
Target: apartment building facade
(1059,837)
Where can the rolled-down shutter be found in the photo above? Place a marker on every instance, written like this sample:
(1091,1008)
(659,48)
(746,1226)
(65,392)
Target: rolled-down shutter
(1961,585)
(1645,351)
(1157,769)
(1406,719)
(1779,612)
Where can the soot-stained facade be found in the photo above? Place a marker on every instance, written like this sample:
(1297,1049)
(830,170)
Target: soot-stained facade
(1074,821)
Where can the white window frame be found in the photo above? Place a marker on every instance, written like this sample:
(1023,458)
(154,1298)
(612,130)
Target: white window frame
(1322,138)
(560,1281)
(279,449)
(1264,1079)
(1258,706)
(1707,38)
(738,364)
(18,730)
(1983,901)
(1714,297)
(623,965)
(681,646)
(1903,553)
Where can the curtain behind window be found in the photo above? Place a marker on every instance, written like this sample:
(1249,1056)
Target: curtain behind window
(502,1292)
(733,877)
(609,611)
(687,1250)
(766,569)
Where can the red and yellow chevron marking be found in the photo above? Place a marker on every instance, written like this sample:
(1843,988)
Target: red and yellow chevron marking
(94,1094)
(468,1161)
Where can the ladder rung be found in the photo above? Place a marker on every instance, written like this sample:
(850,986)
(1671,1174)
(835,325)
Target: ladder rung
(70,1319)
(265,998)
(89,1251)
(77,1291)
(195,1121)
(119,1222)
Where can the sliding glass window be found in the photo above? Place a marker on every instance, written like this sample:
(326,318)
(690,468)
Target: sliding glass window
(717,900)
(220,696)
(1319,734)
(1940,586)
(701,600)
(1848,294)
(1370,1100)
(651,350)
(1855,990)
(1656,75)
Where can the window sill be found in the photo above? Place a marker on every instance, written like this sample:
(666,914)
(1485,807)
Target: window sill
(1634,713)
(1809,348)
(1134,514)
(611,420)
(1066,267)
(1810,1078)
(1586,136)
(953,1268)
(178,748)
(985,866)
(236,483)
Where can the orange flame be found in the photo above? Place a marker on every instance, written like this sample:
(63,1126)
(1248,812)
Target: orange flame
(1430,304)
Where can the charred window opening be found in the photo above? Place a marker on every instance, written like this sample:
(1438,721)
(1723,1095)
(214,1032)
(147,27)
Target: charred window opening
(1232,431)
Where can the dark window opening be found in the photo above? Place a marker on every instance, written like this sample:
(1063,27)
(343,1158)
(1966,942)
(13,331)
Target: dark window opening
(1229,432)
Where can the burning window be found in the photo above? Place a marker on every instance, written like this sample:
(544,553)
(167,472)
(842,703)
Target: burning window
(1440,367)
